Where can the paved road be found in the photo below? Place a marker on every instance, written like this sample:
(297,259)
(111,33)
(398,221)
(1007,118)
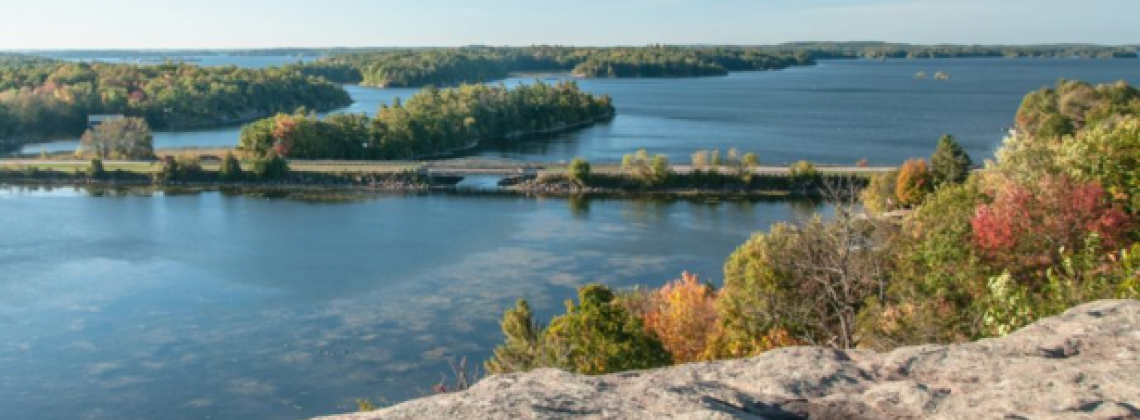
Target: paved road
(457,166)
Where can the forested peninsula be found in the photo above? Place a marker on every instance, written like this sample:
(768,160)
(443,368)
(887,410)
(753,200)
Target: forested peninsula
(41,98)
(433,122)
(882,50)
(453,66)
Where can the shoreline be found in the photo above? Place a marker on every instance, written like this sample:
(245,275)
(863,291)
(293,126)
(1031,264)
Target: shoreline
(411,185)
(474,144)
(14,148)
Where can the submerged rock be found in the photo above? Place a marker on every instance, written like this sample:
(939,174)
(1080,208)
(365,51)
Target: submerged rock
(1083,364)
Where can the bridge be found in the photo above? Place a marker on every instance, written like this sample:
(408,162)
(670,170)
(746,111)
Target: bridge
(480,167)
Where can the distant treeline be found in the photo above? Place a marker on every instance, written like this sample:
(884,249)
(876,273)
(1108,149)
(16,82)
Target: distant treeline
(451,66)
(42,98)
(859,49)
(175,54)
(684,62)
(9,60)
(433,122)
(876,50)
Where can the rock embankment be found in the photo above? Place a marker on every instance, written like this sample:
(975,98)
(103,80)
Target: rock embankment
(1083,364)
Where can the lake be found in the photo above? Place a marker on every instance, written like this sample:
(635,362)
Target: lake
(144,306)
(835,112)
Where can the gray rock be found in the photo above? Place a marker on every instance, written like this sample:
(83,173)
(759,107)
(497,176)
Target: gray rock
(1083,364)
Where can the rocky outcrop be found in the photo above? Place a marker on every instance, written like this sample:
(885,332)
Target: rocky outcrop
(1083,364)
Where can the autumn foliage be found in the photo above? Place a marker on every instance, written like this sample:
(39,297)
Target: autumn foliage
(914,182)
(1026,227)
(1052,222)
(283,130)
(682,314)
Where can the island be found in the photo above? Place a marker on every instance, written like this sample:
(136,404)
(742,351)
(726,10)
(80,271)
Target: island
(416,67)
(43,98)
(434,122)
(451,66)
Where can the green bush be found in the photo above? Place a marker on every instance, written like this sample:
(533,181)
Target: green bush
(271,167)
(579,172)
(230,169)
(181,169)
(594,337)
(95,169)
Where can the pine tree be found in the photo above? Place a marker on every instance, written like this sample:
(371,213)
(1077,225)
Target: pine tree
(519,353)
(95,169)
(949,164)
(230,169)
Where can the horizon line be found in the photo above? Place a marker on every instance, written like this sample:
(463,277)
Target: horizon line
(426,46)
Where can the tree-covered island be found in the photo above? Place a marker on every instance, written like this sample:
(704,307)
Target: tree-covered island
(433,122)
(452,66)
(42,98)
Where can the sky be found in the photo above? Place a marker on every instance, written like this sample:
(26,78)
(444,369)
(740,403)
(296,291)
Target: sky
(172,24)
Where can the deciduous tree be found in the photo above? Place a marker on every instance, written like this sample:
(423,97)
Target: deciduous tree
(914,183)
(682,314)
(124,138)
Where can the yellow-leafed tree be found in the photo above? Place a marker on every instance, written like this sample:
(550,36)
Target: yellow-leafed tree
(682,314)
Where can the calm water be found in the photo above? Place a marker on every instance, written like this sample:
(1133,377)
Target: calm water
(229,307)
(151,305)
(836,112)
(368,100)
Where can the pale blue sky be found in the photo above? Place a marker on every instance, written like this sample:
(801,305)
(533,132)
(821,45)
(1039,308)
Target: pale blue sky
(53,24)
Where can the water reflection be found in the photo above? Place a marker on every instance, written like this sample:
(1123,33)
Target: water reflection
(579,206)
(136,301)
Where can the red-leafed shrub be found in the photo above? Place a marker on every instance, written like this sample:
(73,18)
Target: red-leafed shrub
(1026,227)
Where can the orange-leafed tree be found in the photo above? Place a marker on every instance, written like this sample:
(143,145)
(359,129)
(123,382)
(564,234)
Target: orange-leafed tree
(682,314)
(914,183)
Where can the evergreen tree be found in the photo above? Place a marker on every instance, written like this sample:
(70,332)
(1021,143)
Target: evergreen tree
(230,170)
(95,169)
(950,163)
(519,353)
